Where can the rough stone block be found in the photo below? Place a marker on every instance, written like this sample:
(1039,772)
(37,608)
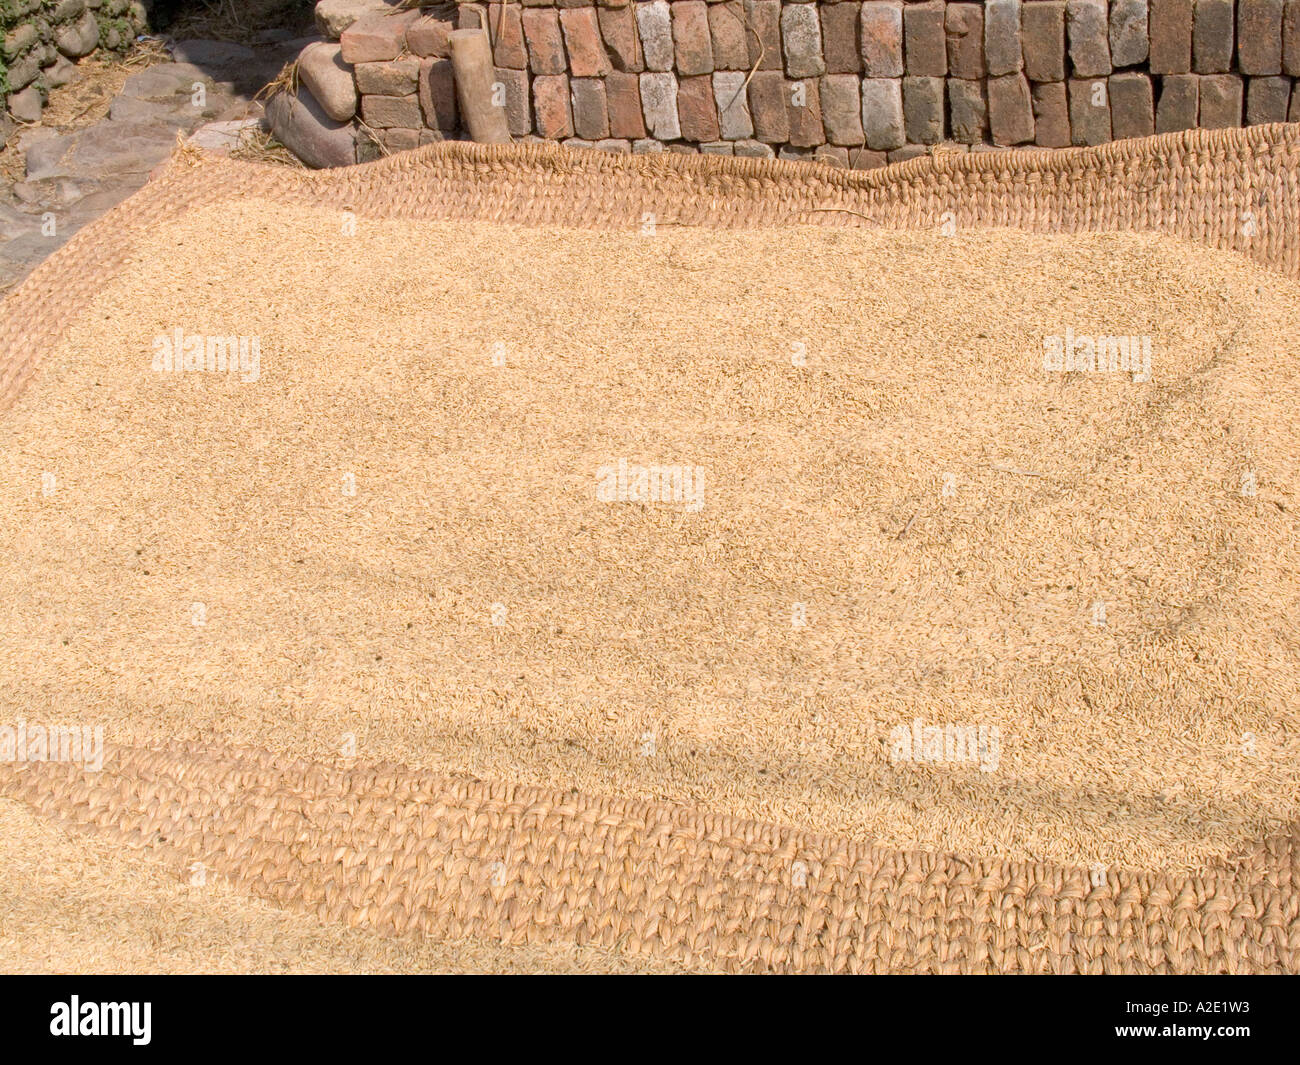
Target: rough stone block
(925,46)
(1089,111)
(1212,36)
(1259,38)
(518,100)
(882,113)
(1170,26)
(654,21)
(803,106)
(429,36)
(1011,110)
(1132,111)
(1220,101)
(1002,41)
(881,35)
(1266,100)
(1128,32)
(841,100)
(767,107)
(729,95)
(801,36)
(1177,108)
(1051,115)
(399,77)
(659,105)
(376,37)
(1089,35)
(967,110)
(381,112)
(590,114)
(923,109)
(1043,29)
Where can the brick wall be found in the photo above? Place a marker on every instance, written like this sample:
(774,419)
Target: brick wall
(39,40)
(849,83)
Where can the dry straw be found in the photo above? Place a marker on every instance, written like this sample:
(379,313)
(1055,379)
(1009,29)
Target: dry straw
(595,844)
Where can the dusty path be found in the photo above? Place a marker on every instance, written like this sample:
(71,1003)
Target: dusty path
(113,123)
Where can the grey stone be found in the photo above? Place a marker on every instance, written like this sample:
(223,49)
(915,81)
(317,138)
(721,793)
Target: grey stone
(654,21)
(923,109)
(26,106)
(1128,32)
(1002,51)
(841,102)
(80,37)
(1089,37)
(61,72)
(967,110)
(734,118)
(330,80)
(801,37)
(301,126)
(659,104)
(882,113)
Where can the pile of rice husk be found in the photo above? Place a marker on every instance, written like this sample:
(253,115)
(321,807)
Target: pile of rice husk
(395,548)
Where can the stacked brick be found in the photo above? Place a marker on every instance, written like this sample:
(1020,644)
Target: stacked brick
(41,39)
(849,82)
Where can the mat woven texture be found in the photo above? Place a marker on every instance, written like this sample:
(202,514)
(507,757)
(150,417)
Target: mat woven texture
(386,848)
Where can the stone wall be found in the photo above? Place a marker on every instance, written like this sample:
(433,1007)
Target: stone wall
(42,38)
(849,83)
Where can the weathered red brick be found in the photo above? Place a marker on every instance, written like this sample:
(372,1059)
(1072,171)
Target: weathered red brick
(382,112)
(1170,25)
(622,42)
(881,34)
(840,37)
(552,112)
(376,37)
(728,37)
(767,106)
(696,111)
(1220,101)
(964,27)
(427,36)
(590,114)
(805,113)
(765,39)
(1291,38)
(1132,112)
(1051,115)
(545,42)
(623,101)
(1043,32)
(925,47)
(1259,37)
(692,46)
(582,40)
(507,32)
